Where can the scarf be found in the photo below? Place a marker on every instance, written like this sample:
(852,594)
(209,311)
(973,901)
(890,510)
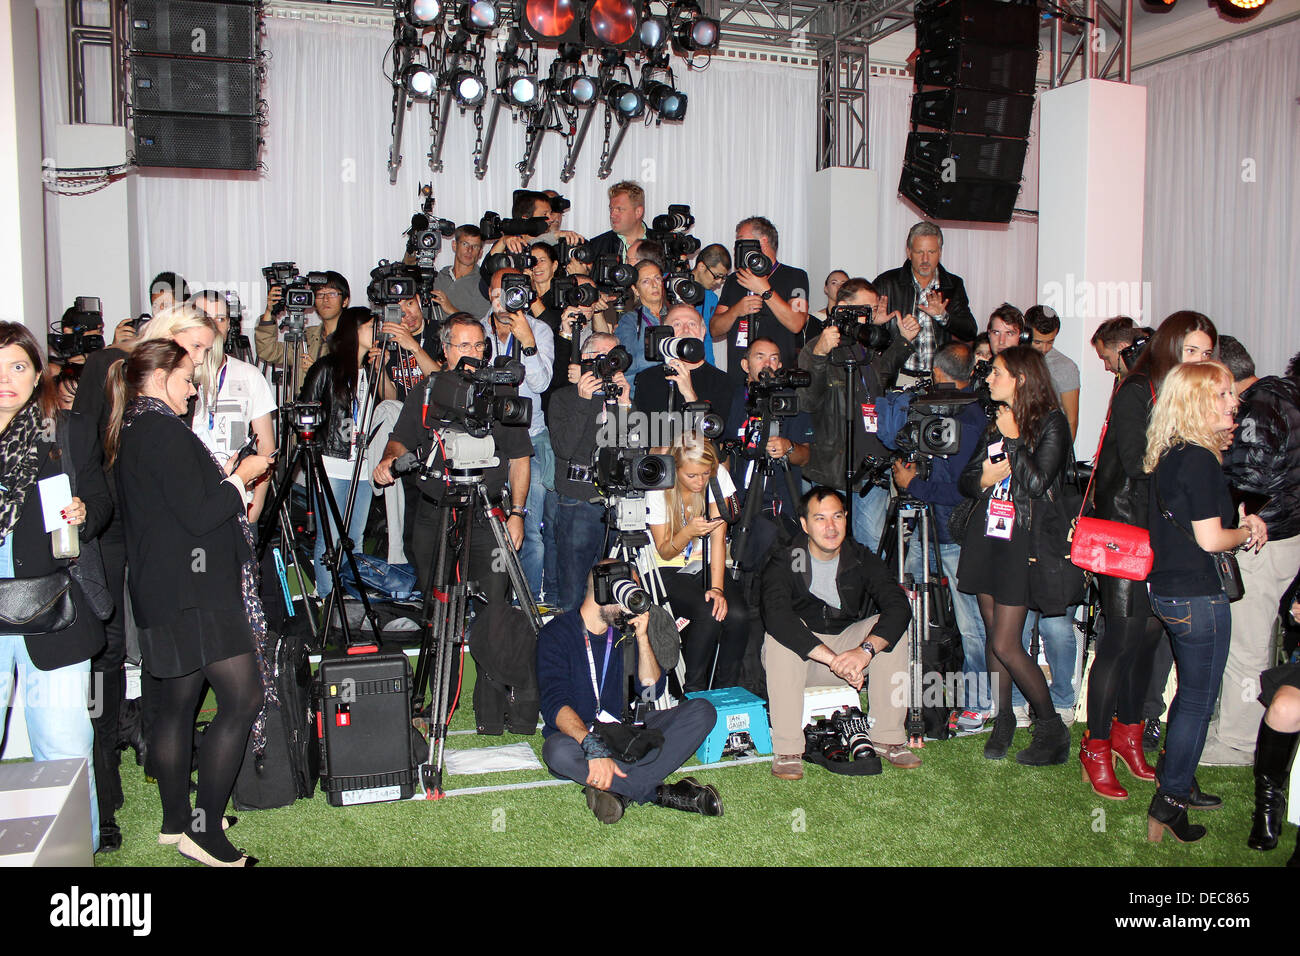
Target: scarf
(20,460)
(247,581)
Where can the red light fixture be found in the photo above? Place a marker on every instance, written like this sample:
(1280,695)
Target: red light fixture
(613,25)
(550,21)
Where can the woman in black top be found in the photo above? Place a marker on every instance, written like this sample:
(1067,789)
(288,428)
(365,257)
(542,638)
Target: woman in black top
(1014,471)
(1190,514)
(192,588)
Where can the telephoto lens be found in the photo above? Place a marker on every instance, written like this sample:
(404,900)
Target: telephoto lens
(851,727)
(631,596)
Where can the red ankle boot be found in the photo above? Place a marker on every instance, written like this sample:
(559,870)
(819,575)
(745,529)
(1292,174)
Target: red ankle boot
(1098,768)
(1126,741)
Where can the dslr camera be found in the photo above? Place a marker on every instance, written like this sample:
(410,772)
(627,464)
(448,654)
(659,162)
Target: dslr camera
(566,293)
(661,344)
(605,367)
(748,254)
(855,325)
(613,276)
(493,227)
(516,292)
(521,261)
(614,584)
(578,252)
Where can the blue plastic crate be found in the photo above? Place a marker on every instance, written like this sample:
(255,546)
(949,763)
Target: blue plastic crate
(739,711)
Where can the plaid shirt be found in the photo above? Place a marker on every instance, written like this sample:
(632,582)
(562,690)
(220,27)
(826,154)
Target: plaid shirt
(920,361)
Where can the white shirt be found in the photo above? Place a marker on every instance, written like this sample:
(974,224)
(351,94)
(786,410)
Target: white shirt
(242,395)
(656,507)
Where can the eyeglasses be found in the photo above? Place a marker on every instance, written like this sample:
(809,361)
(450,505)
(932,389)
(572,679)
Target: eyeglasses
(469,346)
(720,276)
(329,295)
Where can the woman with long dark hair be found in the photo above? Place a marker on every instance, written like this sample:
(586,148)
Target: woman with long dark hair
(193,588)
(1191,517)
(1014,471)
(1125,656)
(53,669)
(338,382)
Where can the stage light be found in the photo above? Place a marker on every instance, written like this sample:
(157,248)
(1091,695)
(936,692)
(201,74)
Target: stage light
(1247,4)
(523,91)
(550,21)
(669,103)
(479,16)
(691,31)
(419,81)
(613,24)
(468,88)
(423,13)
(654,33)
(625,100)
(579,90)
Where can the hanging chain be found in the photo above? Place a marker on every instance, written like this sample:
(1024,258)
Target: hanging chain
(478,126)
(604,152)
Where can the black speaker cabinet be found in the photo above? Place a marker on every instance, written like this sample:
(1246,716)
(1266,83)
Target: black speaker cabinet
(974,111)
(981,158)
(188,85)
(981,66)
(192,28)
(946,23)
(195,142)
(963,200)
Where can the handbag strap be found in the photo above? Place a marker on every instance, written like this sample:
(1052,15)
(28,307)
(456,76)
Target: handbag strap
(1168,515)
(1087,494)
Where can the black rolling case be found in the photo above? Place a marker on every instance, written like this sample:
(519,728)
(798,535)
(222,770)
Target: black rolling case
(363,723)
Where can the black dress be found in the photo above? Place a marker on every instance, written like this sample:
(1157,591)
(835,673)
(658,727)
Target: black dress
(994,566)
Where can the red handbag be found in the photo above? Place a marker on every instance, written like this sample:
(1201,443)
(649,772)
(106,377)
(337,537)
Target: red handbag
(1112,548)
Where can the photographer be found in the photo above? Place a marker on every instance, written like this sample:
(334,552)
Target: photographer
(832,612)
(649,311)
(712,266)
(519,335)
(952,366)
(626,220)
(826,398)
(771,306)
(462,337)
(456,287)
(409,355)
(572,650)
(1045,326)
(1111,338)
(695,381)
(577,412)
(331,299)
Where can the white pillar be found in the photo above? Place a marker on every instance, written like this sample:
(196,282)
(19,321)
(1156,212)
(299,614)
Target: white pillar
(1092,161)
(22,238)
(843,214)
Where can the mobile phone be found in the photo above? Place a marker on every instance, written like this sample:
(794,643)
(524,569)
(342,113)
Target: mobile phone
(248,448)
(997,453)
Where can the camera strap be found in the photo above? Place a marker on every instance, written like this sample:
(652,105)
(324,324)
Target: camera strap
(212,408)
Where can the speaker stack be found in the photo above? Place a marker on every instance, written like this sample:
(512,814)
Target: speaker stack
(195,83)
(971,108)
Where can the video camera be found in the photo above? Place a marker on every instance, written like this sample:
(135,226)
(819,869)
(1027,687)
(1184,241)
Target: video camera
(662,344)
(493,227)
(424,238)
(299,294)
(236,341)
(391,282)
(773,395)
(466,396)
(613,583)
(748,254)
(81,330)
(929,426)
(848,319)
(630,472)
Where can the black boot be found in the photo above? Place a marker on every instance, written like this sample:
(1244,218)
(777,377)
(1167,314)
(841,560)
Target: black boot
(110,836)
(1273,753)
(1004,728)
(1051,743)
(1169,813)
(687,794)
(1196,799)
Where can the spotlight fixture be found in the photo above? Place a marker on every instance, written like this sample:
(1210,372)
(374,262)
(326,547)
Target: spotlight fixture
(479,16)
(468,87)
(626,101)
(422,13)
(1241,9)
(654,33)
(668,102)
(579,90)
(550,21)
(419,81)
(523,91)
(693,32)
(613,24)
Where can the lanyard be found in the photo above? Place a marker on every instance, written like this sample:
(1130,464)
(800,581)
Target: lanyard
(212,411)
(645,317)
(604,666)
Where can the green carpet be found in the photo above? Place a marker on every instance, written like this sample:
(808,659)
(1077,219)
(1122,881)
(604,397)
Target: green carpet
(958,809)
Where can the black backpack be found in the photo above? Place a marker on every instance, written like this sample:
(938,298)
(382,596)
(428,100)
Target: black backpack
(289,767)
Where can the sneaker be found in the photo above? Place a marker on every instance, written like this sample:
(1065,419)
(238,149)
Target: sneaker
(1151,737)
(1067,715)
(788,766)
(1218,754)
(608,807)
(1022,715)
(971,722)
(900,755)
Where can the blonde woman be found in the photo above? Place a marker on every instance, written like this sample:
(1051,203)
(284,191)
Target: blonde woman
(197,334)
(679,524)
(1191,518)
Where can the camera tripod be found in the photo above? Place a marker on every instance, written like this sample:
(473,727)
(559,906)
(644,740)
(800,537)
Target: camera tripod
(760,472)
(445,615)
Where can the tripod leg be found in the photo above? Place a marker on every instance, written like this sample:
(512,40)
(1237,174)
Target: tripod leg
(434,608)
(514,569)
(335,552)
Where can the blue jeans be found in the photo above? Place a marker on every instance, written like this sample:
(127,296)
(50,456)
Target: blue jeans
(356,530)
(541,473)
(1200,628)
(55,705)
(869,517)
(976,691)
(579,543)
(1060,643)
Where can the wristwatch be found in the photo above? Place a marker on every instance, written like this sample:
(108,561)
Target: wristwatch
(522,512)
(530,351)
(870,649)
(766,295)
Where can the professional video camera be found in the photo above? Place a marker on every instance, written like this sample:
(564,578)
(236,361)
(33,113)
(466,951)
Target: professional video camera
(661,344)
(576,251)
(605,367)
(614,584)
(773,395)
(236,341)
(390,284)
(81,330)
(522,261)
(279,274)
(466,396)
(424,238)
(630,472)
(921,423)
(493,227)
(299,294)
(848,319)
(748,254)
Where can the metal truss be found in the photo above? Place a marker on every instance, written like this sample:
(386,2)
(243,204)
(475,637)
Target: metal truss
(82,35)
(1091,39)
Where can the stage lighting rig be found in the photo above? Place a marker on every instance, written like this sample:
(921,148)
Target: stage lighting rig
(627,102)
(692,32)
(667,102)
(460,80)
(411,74)
(550,21)
(479,17)
(421,14)
(613,25)
(517,87)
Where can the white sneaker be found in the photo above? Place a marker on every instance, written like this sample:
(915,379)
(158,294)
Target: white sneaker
(1022,715)
(1067,715)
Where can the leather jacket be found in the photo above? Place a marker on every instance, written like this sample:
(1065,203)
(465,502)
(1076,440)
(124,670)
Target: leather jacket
(897,284)
(1034,471)
(1264,460)
(336,423)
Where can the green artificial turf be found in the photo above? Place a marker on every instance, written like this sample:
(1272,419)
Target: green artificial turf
(958,809)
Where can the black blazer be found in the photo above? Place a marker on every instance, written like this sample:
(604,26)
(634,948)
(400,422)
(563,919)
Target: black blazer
(184,544)
(34,556)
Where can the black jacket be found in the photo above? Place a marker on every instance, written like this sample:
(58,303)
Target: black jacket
(184,544)
(826,399)
(1034,471)
(34,556)
(1264,460)
(898,286)
(793,615)
(337,423)
(1120,486)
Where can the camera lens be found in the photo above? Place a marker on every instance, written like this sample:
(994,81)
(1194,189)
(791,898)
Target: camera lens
(632,597)
(650,470)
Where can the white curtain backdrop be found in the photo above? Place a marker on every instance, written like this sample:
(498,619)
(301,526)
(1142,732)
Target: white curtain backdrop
(1222,198)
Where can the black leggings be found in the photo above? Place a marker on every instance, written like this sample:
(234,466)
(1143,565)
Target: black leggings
(704,635)
(238,688)
(1004,626)
(1121,670)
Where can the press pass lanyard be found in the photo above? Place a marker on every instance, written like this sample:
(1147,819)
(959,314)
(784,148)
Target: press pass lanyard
(212,410)
(599,688)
